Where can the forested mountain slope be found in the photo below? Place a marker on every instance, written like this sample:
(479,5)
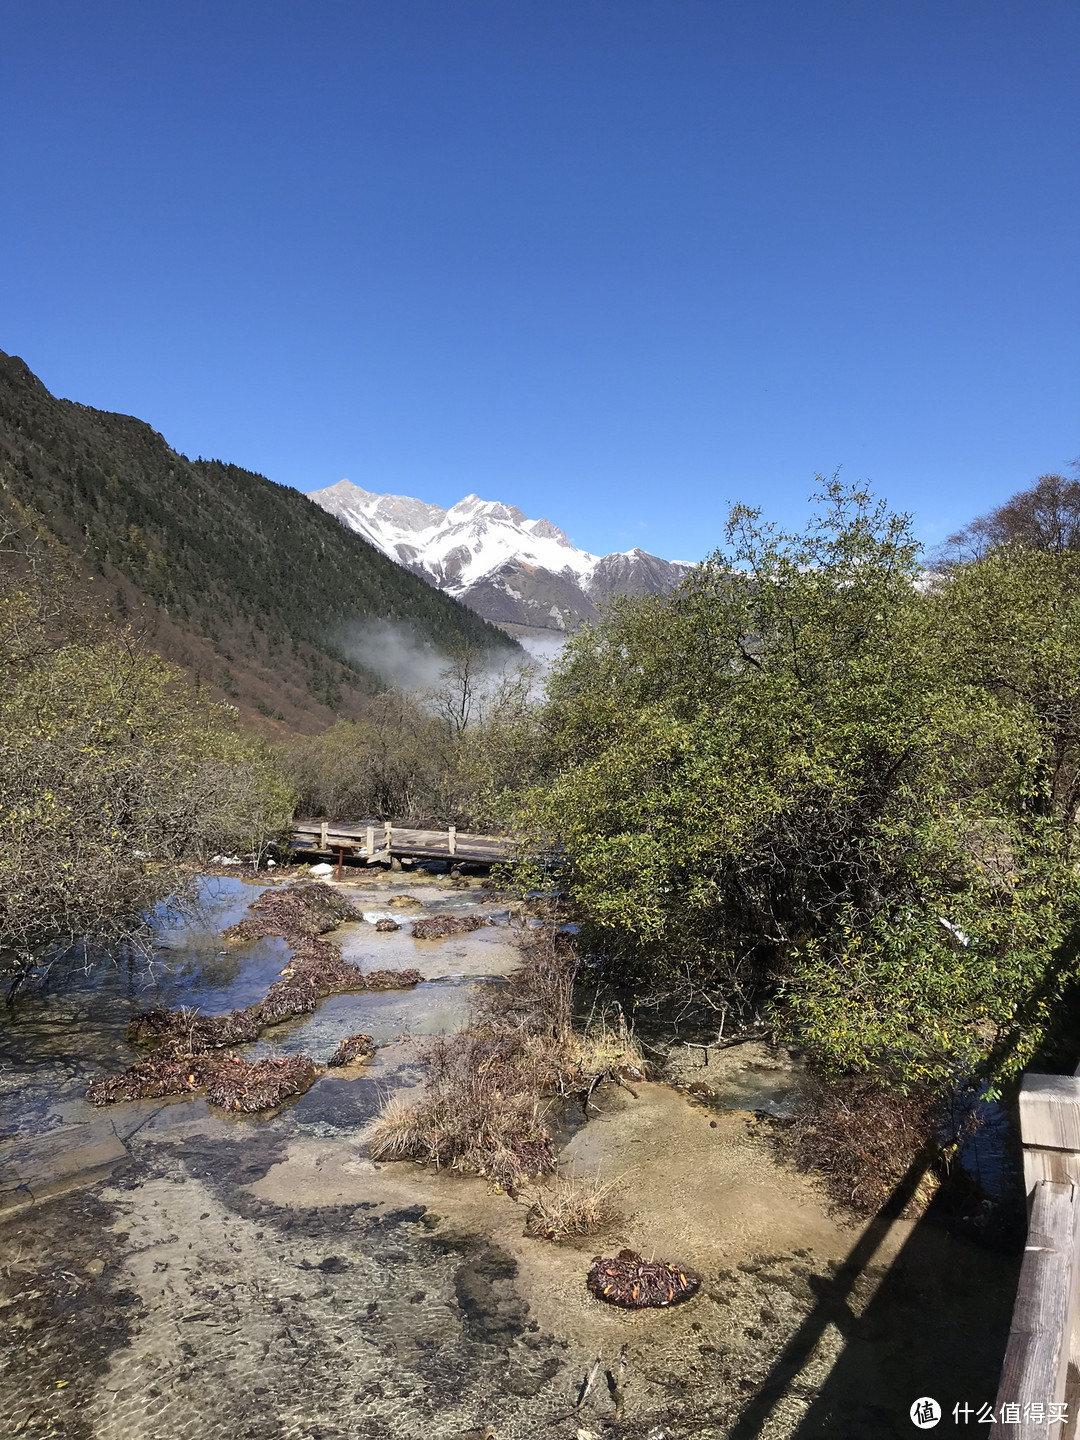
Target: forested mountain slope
(246,583)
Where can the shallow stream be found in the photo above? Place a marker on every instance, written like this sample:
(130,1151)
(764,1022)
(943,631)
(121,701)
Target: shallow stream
(171,1271)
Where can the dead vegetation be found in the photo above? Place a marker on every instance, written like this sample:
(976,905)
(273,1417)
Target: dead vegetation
(634,1283)
(352,1050)
(437,927)
(315,971)
(181,1039)
(571,1207)
(296,912)
(248,1086)
(192,1031)
(392,979)
(489,1087)
(861,1140)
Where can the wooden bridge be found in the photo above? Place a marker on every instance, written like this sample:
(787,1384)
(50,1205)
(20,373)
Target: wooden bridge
(1042,1360)
(383,842)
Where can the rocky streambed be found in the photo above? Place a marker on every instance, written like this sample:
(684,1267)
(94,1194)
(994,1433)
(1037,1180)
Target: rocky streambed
(167,1269)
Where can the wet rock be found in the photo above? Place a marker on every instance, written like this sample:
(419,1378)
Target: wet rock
(484,1289)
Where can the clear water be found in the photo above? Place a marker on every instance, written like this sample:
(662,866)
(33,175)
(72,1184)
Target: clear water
(70,1025)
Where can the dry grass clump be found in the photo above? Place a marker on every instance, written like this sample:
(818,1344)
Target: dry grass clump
(862,1139)
(611,1050)
(488,1088)
(398,1133)
(570,1207)
(478,1112)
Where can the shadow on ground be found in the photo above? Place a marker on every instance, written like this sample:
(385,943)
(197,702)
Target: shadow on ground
(936,1325)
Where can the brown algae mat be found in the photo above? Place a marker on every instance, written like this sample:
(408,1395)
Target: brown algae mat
(183,1043)
(437,927)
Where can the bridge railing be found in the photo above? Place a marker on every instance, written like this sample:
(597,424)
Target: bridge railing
(1040,1374)
(386,839)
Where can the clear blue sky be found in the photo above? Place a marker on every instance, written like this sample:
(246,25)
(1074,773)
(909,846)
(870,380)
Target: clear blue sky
(616,262)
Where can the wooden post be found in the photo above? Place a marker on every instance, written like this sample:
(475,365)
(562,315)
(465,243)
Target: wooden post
(1037,1356)
(324,843)
(340,859)
(1050,1129)
(451,840)
(1036,1368)
(369,847)
(388,830)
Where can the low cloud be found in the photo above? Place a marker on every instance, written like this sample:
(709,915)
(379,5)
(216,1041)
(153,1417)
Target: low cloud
(407,661)
(396,654)
(541,650)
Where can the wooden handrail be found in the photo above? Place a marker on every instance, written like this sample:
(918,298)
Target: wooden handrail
(1035,1371)
(340,837)
(1034,1375)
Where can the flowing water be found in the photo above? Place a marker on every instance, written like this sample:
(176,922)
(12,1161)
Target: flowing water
(166,1270)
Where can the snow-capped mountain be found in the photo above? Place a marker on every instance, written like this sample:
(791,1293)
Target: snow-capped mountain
(512,570)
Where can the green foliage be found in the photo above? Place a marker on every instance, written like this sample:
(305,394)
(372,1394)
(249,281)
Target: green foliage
(457,754)
(115,775)
(817,785)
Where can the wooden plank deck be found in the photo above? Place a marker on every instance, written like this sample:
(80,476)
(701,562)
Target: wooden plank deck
(386,840)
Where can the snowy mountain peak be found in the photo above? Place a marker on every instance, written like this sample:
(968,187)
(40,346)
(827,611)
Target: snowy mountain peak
(472,507)
(513,570)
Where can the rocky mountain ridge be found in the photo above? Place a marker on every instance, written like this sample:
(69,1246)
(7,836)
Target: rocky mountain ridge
(512,570)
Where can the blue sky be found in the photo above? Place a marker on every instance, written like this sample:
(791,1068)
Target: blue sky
(618,263)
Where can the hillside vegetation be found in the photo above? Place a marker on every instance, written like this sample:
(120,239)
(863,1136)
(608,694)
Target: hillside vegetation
(245,583)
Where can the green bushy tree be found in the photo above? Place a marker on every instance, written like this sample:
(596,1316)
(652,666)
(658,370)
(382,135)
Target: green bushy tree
(116,776)
(830,789)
